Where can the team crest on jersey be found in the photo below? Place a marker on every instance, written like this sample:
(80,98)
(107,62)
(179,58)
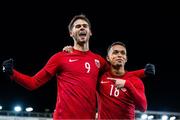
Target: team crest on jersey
(97,63)
(124,89)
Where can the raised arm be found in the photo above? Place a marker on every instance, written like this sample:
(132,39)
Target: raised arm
(31,82)
(148,71)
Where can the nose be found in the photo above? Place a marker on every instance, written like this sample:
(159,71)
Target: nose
(82,28)
(119,54)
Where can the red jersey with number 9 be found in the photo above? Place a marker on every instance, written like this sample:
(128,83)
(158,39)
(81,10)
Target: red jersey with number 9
(77,79)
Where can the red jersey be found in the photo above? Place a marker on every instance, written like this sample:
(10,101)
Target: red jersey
(120,103)
(77,75)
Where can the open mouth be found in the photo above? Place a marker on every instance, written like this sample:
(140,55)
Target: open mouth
(82,34)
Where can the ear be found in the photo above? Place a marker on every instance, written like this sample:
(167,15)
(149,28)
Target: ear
(90,33)
(126,59)
(107,58)
(70,33)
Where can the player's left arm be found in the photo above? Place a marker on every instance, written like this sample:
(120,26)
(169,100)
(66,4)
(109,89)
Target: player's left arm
(137,91)
(148,71)
(138,73)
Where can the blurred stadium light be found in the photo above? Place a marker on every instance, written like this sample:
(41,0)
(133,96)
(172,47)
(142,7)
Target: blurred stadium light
(17,108)
(29,109)
(23,115)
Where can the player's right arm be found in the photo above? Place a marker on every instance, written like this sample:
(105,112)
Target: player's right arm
(31,82)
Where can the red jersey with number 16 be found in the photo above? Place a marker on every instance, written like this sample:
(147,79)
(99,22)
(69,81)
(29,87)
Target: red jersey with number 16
(121,103)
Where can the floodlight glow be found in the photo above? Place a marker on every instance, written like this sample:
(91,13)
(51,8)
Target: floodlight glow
(17,108)
(144,116)
(164,117)
(172,118)
(29,109)
(0,107)
(150,117)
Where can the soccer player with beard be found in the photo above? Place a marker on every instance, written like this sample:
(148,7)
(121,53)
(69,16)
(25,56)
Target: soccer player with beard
(120,92)
(76,74)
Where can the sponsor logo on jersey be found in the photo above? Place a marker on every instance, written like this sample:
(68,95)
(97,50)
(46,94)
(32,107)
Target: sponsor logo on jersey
(103,82)
(73,60)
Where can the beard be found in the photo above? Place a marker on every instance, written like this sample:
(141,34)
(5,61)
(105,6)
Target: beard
(82,40)
(117,65)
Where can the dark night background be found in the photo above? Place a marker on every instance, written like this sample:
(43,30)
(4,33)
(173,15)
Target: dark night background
(31,33)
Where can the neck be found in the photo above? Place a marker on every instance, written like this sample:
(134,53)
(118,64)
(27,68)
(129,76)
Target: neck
(118,71)
(81,47)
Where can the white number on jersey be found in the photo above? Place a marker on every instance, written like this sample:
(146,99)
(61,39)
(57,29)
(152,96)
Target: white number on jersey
(116,91)
(87,66)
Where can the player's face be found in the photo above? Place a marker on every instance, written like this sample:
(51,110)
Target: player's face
(80,31)
(117,55)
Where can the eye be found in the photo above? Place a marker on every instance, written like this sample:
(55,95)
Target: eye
(85,25)
(123,52)
(115,52)
(77,26)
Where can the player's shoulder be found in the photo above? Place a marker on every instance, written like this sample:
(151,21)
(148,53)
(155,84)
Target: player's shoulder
(96,55)
(107,74)
(58,54)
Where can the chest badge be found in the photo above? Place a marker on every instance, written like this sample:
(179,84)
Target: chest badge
(97,63)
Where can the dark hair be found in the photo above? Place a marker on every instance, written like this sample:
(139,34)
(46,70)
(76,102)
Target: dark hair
(116,43)
(81,16)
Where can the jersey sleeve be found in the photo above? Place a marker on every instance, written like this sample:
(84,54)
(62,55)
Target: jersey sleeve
(104,65)
(138,73)
(40,78)
(31,82)
(52,66)
(104,68)
(138,92)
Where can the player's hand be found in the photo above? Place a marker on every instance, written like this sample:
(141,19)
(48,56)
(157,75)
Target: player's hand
(149,70)
(68,49)
(119,83)
(7,66)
